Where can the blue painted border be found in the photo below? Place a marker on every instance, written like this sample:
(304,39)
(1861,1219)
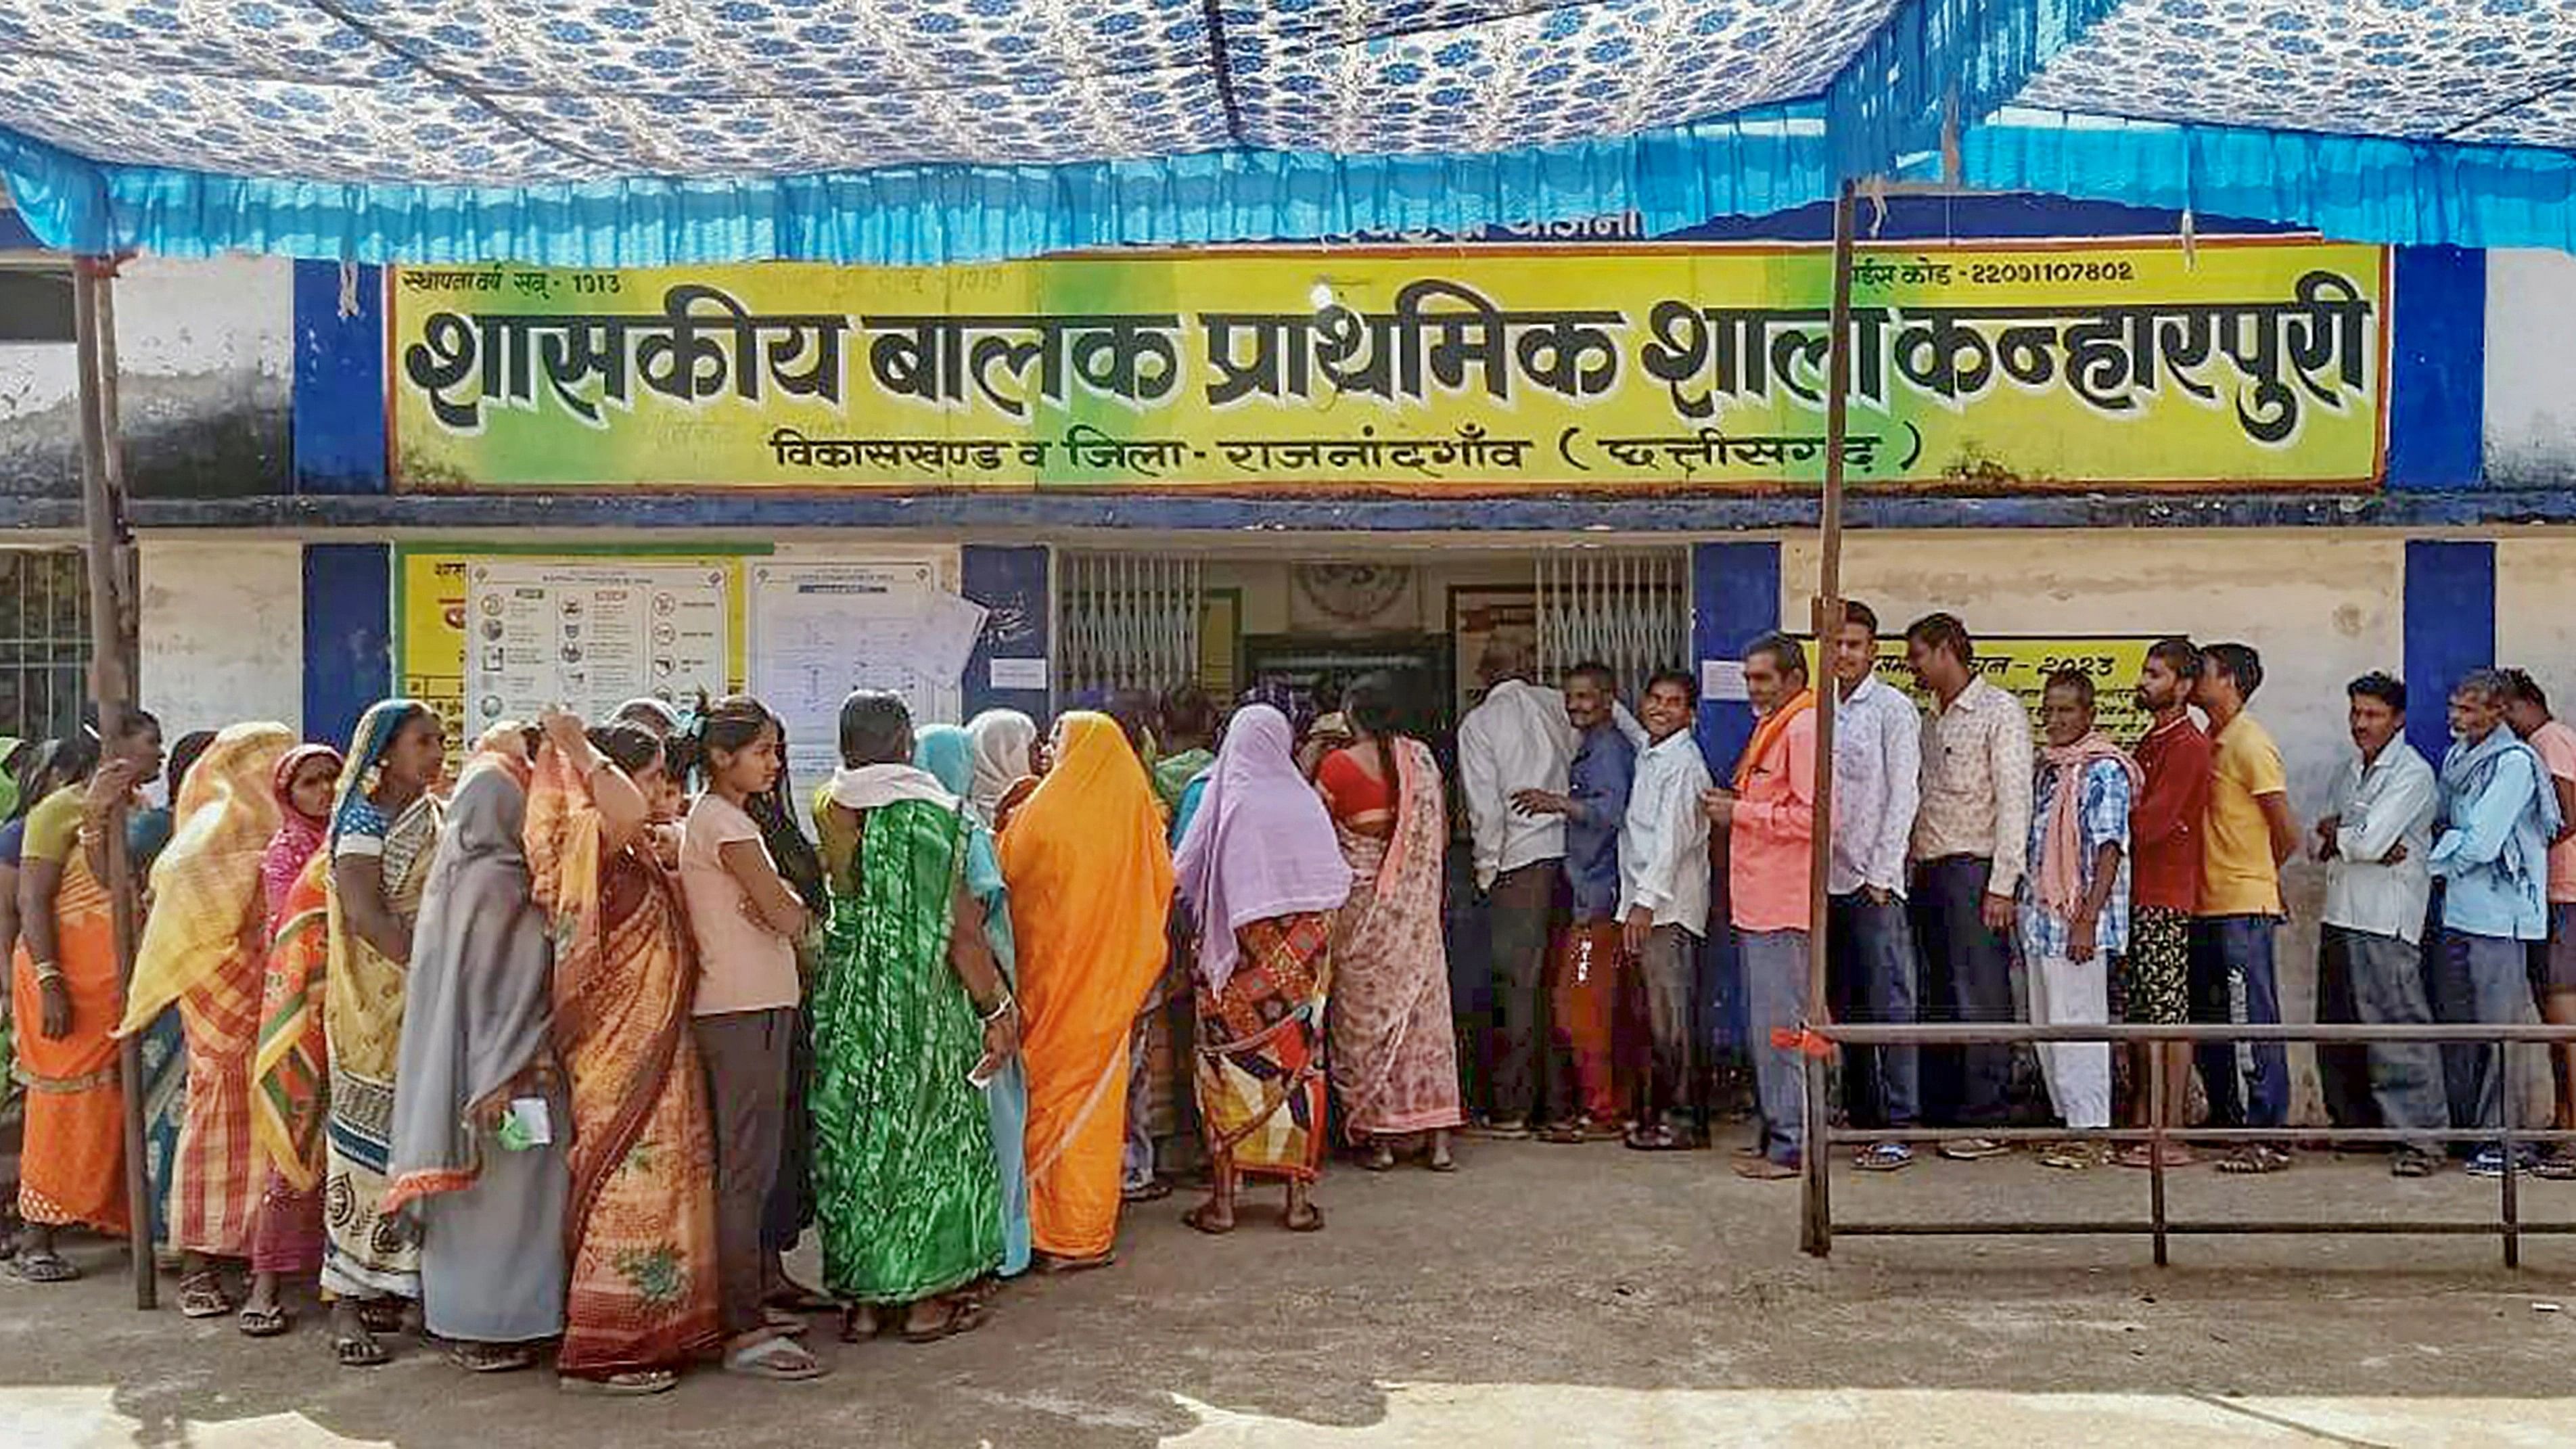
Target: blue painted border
(2450,630)
(348,635)
(1016,585)
(339,415)
(2437,369)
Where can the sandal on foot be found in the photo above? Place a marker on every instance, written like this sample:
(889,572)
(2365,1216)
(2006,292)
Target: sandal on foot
(492,1358)
(632,1384)
(271,1322)
(1658,1138)
(780,1360)
(1381,1158)
(381,1315)
(962,1318)
(1313,1222)
(1440,1162)
(201,1295)
(1768,1169)
(1154,1191)
(1055,1267)
(2255,1159)
(1562,1133)
(1206,1222)
(44,1267)
(359,1350)
(859,1323)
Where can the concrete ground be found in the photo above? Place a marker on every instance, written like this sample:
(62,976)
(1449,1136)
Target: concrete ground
(1558,1295)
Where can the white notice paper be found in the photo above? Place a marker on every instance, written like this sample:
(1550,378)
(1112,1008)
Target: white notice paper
(1019,673)
(589,636)
(1723,679)
(820,630)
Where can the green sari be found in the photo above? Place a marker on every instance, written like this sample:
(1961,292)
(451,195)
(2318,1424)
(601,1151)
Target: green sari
(906,1194)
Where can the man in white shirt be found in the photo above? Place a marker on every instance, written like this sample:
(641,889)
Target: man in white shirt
(1878,760)
(2377,843)
(1663,869)
(1516,739)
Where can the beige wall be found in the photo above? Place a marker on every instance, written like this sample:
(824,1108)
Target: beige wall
(2535,613)
(222,632)
(2322,607)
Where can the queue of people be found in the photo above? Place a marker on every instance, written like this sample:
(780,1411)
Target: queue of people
(567,1054)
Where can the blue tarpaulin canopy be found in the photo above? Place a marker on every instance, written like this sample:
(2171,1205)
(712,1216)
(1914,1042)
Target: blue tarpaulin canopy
(636,132)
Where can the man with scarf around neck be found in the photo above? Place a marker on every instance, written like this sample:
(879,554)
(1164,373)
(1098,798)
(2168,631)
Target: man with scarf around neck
(1971,845)
(2248,835)
(2369,968)
(2492,853)
(1769,814)
(2074,907)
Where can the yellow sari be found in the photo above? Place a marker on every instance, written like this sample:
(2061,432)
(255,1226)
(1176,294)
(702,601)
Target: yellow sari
(204,947)
(1091,880)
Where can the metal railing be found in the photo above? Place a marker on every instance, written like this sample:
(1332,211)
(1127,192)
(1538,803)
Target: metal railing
(1820,1228)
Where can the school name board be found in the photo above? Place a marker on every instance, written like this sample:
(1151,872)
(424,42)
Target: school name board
(1564,367)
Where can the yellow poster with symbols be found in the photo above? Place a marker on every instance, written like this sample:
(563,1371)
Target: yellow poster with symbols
(436,634)
(2021,666)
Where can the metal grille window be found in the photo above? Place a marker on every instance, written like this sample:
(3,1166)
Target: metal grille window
(1627,609)
(44,642)
(1126,621)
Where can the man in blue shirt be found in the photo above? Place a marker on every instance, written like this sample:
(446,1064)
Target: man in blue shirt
(2499,814)
(1584,974)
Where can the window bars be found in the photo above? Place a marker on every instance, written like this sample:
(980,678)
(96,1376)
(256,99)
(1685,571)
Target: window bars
(1126,621)
(1628,609)
(44,642)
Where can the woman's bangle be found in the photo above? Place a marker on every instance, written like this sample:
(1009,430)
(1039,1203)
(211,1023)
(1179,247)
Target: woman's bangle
(1000,1009)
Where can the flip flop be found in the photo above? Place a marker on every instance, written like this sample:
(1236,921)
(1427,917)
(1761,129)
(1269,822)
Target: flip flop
(201,1295)
(779,1360)
(1199,1218)
(1314,1222)
(359,1351)
(1767,1169)
(266,1322)
(492,1358)
(1154,1191)
(962,1318)
(634,1384)
(44,1267)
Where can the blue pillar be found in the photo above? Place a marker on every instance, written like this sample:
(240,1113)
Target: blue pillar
(2450,630)
(339,417)
(1735,596)
(1014,584)
(348,635)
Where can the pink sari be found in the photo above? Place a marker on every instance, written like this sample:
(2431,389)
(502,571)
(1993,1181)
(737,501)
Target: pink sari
(1394,1058)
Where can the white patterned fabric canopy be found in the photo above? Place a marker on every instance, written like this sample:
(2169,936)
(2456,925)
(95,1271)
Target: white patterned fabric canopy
(645,131)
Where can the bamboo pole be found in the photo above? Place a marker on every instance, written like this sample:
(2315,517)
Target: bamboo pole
(111,677)
(1816,1235)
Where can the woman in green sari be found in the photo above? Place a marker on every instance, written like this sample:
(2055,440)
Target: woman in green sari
(911,1018)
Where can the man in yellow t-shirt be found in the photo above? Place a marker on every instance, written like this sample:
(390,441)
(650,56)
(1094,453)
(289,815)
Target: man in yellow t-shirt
(2249,834)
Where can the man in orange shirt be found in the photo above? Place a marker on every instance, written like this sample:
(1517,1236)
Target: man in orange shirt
(1770,818)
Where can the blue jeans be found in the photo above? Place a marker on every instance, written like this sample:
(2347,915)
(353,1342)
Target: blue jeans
(1775,996)
(1874,981)
(2224,948)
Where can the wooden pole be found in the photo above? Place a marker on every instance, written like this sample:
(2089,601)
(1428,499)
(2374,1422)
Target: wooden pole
(1816,1234)
(111,681)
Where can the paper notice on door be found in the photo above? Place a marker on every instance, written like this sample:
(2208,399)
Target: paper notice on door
(1722,680)
(1019,674)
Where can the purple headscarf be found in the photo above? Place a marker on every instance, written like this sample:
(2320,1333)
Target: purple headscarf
(1260,845)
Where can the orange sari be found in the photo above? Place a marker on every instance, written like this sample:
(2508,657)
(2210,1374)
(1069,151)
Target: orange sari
(1091,881)
(72,1170)
(641,1225)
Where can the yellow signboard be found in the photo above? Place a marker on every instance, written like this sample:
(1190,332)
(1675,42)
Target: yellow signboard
(2021,667)
(1647,367)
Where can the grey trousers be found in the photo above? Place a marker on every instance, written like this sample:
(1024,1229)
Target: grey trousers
(1670,970)
(744,1055)
(2481,979)
(1136,1157)
(1519,903)
(2385,977)
(1775,991)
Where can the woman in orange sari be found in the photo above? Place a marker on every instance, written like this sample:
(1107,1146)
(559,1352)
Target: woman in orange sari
(65,1003)
(1091,881)
(641,1228)
(205,948)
